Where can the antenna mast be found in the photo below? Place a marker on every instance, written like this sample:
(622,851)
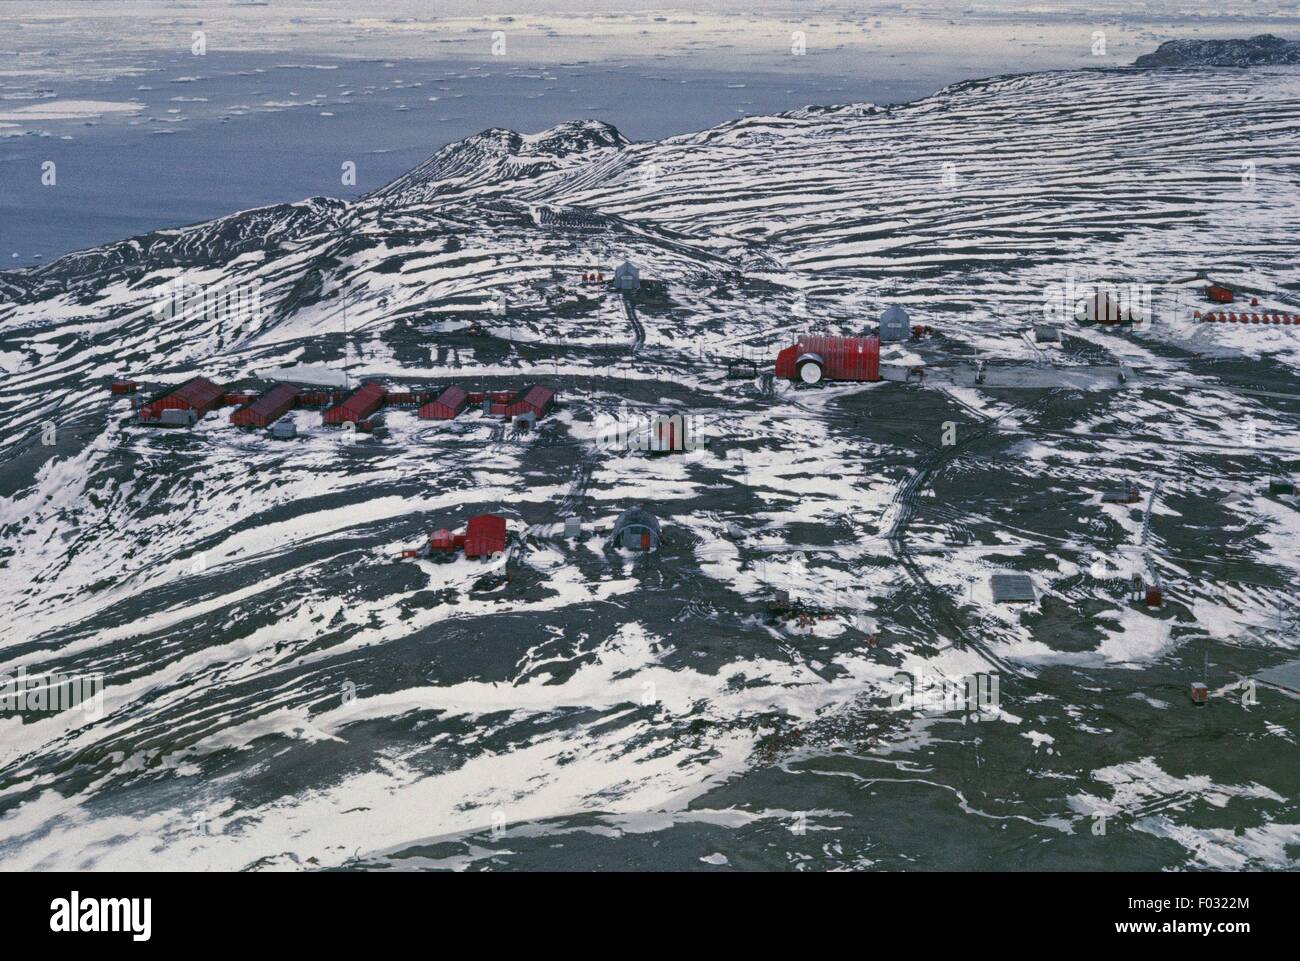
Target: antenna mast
(347,350)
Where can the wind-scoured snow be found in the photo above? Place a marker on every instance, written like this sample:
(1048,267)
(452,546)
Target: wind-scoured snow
(282,691)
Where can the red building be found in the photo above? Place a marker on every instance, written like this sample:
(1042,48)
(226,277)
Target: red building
(199,395)
(442,540)
(535,400)
(446,405)
(485,534)
(266,409)
(359,405)
(813,359)
(1219,293)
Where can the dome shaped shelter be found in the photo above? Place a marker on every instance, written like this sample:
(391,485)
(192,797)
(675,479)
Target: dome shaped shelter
(637,530)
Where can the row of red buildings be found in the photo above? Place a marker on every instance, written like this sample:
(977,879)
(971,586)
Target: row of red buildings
(536,400)
(446,405)
(201,396)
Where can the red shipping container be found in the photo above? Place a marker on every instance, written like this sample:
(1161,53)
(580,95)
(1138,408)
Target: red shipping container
(123,387)
(406,398)
(485,534)
(359,405)
(813,359)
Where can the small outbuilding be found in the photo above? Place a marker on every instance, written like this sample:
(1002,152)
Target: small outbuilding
(1047,334)
(1219,294)
(1012,589)
(895,325)
(1128,494)
(446,405)
(536,400)
(637,530)
(284,429)
(177,417)
(267,409)
(627,277)
(442,540)
(199,395)
(358,405)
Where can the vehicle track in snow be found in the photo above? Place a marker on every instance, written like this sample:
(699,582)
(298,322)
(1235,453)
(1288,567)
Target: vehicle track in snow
(904,505)
(638,331)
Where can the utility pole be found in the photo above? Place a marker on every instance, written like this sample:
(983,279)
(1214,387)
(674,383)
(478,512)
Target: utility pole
(347,380)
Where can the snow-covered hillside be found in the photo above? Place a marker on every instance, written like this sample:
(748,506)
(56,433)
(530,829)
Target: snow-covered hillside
(276,677)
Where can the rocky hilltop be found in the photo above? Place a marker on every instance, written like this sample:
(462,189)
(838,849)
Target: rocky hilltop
(1263,50)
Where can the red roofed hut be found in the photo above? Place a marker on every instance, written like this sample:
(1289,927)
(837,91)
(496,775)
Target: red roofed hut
(268,408)
(536,400)
(1219,293)
(199,395)
(359,405)
(485,534)
(446,405)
